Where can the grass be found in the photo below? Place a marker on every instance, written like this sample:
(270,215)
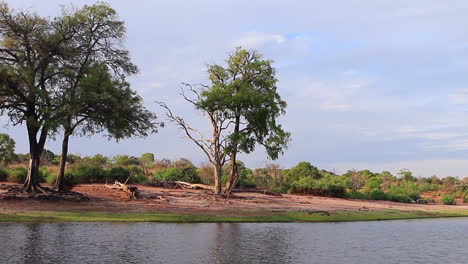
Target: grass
(258,216)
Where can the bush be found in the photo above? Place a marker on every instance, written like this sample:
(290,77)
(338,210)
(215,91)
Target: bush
(400,198)
(356,195)
(18,175)
(448,199)
(187,174)
(87,174)
(317,187)
(377,194)
(3,174)
(117,174)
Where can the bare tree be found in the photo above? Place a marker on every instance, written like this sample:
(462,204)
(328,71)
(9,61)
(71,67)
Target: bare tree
(213,147)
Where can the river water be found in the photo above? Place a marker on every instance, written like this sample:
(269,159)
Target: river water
(401,241)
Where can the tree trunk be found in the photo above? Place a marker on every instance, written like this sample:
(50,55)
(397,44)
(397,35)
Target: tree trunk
(36,148)
(60,183)
(234,174)
(31,184)
(217,178)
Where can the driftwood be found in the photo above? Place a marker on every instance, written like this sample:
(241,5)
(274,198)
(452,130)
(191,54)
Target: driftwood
(266,192)
(132,191)
(193,186)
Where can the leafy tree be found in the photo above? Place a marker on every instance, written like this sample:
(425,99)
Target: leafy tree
(245,93)
(7,149)
(95,96)
(125,160)
(303,170)
(146,161)
(407,175)
(31,51)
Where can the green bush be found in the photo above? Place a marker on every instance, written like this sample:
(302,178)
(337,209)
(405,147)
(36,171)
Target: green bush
(317,187)
(356,195)
(120,174)
(187,174)
(400,198)
(87,174)
(3,174)
(377,194)
(448,199)
(18,175)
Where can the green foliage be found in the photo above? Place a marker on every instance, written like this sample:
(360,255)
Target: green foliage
(17,175)
(317,187)
(377,194)
(3,174)
(400,198)
(7,149)
(353,194)
(125,160)
(187,174)
(302,170)
(448,199)
(245,90)
(374,183)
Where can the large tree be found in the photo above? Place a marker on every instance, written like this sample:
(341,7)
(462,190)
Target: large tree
(103,104)
(31,54)
(245,91)
(95,95)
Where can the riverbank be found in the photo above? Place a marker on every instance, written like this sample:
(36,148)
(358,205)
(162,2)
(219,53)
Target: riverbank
(177,205)
(261,217)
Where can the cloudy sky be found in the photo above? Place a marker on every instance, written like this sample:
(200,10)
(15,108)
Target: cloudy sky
(369,84)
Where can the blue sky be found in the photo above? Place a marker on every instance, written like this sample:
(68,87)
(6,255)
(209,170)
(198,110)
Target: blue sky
(381,85)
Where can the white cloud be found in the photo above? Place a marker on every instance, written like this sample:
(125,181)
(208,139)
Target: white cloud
(258,39)
(460,97)
(331,95)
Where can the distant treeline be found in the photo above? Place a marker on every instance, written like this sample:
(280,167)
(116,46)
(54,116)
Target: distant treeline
(304,178)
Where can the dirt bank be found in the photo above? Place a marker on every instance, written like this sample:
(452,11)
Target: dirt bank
(201,202)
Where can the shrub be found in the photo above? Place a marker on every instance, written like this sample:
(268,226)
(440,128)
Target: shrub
(377,194)
(400,198)
(87,174)
(3,174)
(356,195)
(120,174)
(187,174)
(18,175)
(317,187)
(448,199)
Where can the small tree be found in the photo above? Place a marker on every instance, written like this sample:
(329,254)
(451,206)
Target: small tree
(147,162)
(7,149)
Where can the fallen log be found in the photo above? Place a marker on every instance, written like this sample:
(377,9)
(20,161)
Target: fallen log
(266,192)
(132,191)
(193,186)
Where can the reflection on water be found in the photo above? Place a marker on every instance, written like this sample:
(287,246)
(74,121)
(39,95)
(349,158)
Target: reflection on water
(411,241)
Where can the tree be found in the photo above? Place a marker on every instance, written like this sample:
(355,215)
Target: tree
(31,52)
(147,162)
(95,96)
(245,92)
(303,170)
(214,146)
(7,149)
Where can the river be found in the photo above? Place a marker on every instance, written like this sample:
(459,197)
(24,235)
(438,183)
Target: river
(400,241)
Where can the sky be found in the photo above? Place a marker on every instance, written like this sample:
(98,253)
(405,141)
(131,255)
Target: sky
(379,85)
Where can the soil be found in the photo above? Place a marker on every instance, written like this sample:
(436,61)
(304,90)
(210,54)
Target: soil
(156,199)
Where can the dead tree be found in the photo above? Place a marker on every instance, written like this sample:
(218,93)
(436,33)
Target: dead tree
(212,147)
